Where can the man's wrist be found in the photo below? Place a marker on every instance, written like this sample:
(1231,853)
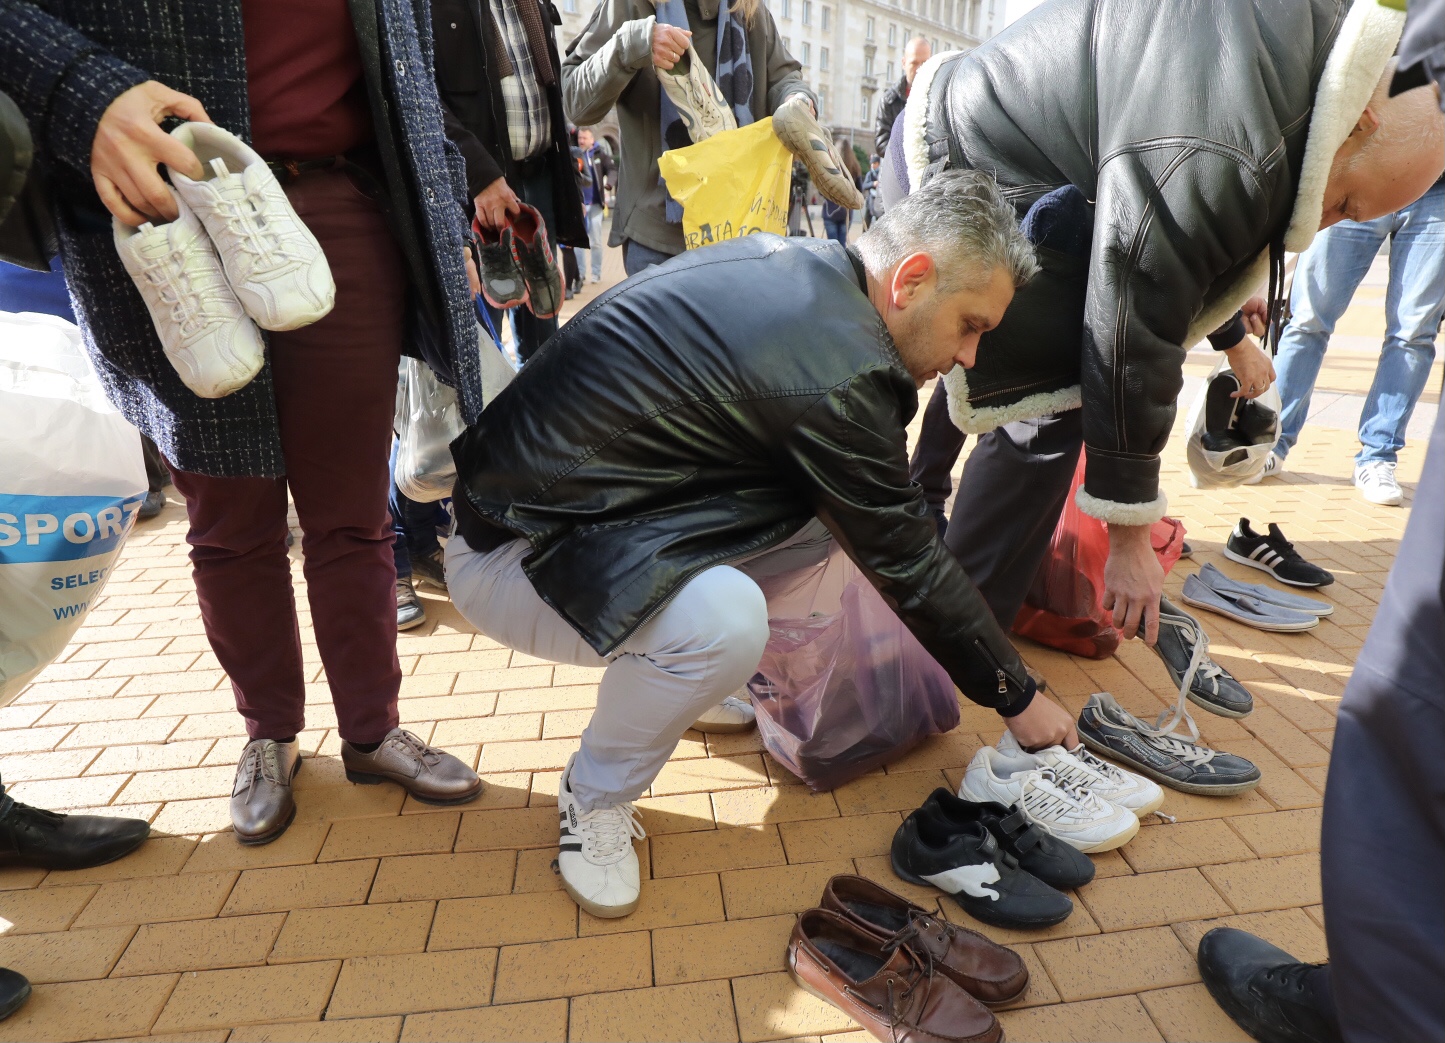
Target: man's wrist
(1017,707)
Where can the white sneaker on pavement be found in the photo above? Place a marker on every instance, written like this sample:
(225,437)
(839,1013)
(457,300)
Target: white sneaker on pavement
(596,859)
(1083,820)
(733,714)
(273,262)
(1081,769)
(1376,481)
(203,330)
(1273,467)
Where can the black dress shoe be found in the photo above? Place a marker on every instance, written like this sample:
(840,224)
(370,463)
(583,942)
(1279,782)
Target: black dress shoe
(14,991)
(45,840)
(1268,993)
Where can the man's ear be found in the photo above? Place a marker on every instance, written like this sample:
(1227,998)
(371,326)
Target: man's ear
(1368,123)
(912,278)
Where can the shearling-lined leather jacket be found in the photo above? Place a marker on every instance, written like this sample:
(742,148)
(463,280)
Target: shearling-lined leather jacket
(703,411)
(1202,131)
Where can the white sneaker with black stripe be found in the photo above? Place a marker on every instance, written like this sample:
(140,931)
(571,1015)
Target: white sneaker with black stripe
(596,858)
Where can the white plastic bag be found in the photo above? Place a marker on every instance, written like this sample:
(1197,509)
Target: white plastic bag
(71,481)
(1219,469)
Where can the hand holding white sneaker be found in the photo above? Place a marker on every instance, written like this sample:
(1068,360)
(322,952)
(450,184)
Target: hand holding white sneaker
(273,262)
(204,332)
(596,859)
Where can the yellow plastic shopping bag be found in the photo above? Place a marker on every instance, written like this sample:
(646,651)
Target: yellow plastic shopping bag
(734,183)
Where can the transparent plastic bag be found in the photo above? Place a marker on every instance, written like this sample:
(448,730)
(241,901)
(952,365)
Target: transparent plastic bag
(1209,469)
(843,686)
(1064,608)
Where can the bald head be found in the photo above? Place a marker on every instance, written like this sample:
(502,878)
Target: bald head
(1393,155)
(915,53)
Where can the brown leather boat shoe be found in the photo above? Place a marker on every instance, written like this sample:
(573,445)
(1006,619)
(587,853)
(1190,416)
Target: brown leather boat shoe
(430,775)
(892,990)
(986,970)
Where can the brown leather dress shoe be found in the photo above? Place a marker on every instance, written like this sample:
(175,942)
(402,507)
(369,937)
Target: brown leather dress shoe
(430,775)
(892,990)
(261,802)
(986,970)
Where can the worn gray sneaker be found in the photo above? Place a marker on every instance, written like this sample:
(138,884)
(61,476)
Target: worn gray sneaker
(1184,648)
(409,610)
(1177,761)
(261,802)
(1244,607)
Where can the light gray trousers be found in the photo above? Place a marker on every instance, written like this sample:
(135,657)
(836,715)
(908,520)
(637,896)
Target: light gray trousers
(702,647)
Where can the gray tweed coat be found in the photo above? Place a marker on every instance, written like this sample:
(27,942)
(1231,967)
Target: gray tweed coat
(65,61)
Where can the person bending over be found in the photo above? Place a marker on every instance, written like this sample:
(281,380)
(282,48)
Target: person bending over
(729,414)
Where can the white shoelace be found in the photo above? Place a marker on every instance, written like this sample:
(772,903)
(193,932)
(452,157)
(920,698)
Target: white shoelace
(182,289)
(610,831)
(1199,665)
(1093,766)
(244,211)
(1050,797)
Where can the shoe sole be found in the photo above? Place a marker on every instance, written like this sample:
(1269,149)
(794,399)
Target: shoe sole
(364,778)
(266,838)
(434,584)
(1107,844)
(602,912)
(1393,502)
(413,624)
(798,141)
(16,1003)
(1227,790)
(1149,808)
(1251,621)
(1236,556)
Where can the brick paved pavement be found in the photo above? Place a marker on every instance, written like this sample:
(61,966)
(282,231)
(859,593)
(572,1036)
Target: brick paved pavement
(378,918)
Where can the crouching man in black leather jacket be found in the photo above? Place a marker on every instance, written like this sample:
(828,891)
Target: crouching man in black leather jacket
(726,414)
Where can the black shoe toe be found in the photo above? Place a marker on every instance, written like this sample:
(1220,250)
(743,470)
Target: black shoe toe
(14,991)
(1265,990)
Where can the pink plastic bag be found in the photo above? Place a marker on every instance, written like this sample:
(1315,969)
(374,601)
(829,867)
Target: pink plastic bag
(843,686)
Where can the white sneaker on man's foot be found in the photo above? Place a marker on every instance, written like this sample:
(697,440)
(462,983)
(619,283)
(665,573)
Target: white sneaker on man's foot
(203,330)
(1273,467)
(272,260)
(733,714)
(596,859)
(1376,481)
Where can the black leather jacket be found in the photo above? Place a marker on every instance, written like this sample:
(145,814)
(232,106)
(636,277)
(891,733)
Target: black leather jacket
(1185,123)
(889,106)
(702,411)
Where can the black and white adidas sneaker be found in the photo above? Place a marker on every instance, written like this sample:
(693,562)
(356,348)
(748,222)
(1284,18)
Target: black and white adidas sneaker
(1273,554)
(595,857)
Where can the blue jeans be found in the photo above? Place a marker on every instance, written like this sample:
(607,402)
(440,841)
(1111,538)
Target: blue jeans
(531,332)
(594,236)
(837,230)
(636,257)
(414,523)
(1325,281)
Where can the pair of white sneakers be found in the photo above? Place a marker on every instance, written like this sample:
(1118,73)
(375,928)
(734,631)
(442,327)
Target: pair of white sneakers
(1088,803)
(237,257)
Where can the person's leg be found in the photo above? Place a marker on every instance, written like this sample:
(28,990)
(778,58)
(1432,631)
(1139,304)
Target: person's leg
(1413,306)
(1324,283)
(636,257)
(335,397)
(939,443)
(1383,838)
(1009,500)
(594,236)
(533,332)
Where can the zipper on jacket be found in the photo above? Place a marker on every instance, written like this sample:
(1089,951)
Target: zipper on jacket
(1003,677)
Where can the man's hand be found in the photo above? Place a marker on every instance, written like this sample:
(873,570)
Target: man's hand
(473,279)
(1133,581)
(1255,312)
(1044,723)
(669,44)
(1253,368)
(495,202)
(129,145)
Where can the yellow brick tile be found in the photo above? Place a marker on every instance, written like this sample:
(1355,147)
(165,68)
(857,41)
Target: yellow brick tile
(853,836)
(114,649)
(1292,745)
(545,700)
(679,813)
(721,950)
(1269,883)
(407,878)
(182,784)
(504,680)
(446,707)
(30,740)
(19,716)
(251,995)
(952,750)
(535,871)
(537,755)
(486,662)
(1282,833)
(896,791)
(1093,1020)
(710,773)
(201,945)
(1188,1012)
(1191,807)
(373,837)
(15,878)
(367,930)
(510,828)
(62,691)
(301,887)
(703,1010)
(158,856)
(1041,990)
(463,923)
(160,664)
(194,817)
(74,955)
(670,902)
(1293,930)
(773,1006)
(1116,964)
(1278,783)
(299,845)
(1151,899)
(714,851)
(157,899)
(469,730)
(374,985)
(544,970)
(198,700)
(753,807)
(338,1030)
(778,889)
(149,757)
(542,1022)
(105,1009)
(65,794)
(565,724)
(209,726)
(59,764)
(1182,844)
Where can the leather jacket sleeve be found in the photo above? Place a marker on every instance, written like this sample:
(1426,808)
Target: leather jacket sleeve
(849,451)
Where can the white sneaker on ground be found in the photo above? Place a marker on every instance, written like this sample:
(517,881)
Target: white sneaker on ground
(1081,769)
(1083,820)
(1376,481)
(596,859)
(733,714)
(1273,467)
(273,262)
(203,330)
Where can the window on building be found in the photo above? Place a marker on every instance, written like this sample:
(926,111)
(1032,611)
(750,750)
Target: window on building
(823,103)
(822,59)
(569,6)
(892,34)
(827,19)
(788,44)
(889,73)
(807,12)
(786,8)
(908,5)
(867,65)
(867,107)
(868,28)
(933,46)
(806,57)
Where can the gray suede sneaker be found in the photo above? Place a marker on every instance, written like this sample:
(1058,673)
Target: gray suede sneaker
(1184,648)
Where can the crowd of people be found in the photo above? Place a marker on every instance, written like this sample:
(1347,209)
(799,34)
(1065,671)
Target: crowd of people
(1033,235)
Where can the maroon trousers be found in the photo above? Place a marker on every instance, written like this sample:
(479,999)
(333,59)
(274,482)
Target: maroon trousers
(335,396)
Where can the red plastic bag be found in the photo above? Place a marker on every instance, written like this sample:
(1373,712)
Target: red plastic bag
(1065,607)
(843,686)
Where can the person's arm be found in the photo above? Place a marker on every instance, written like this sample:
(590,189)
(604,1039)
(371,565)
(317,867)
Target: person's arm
(612,49)
(884,127)
(785,73)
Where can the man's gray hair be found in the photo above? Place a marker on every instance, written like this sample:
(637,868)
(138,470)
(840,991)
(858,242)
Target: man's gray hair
(962,222)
